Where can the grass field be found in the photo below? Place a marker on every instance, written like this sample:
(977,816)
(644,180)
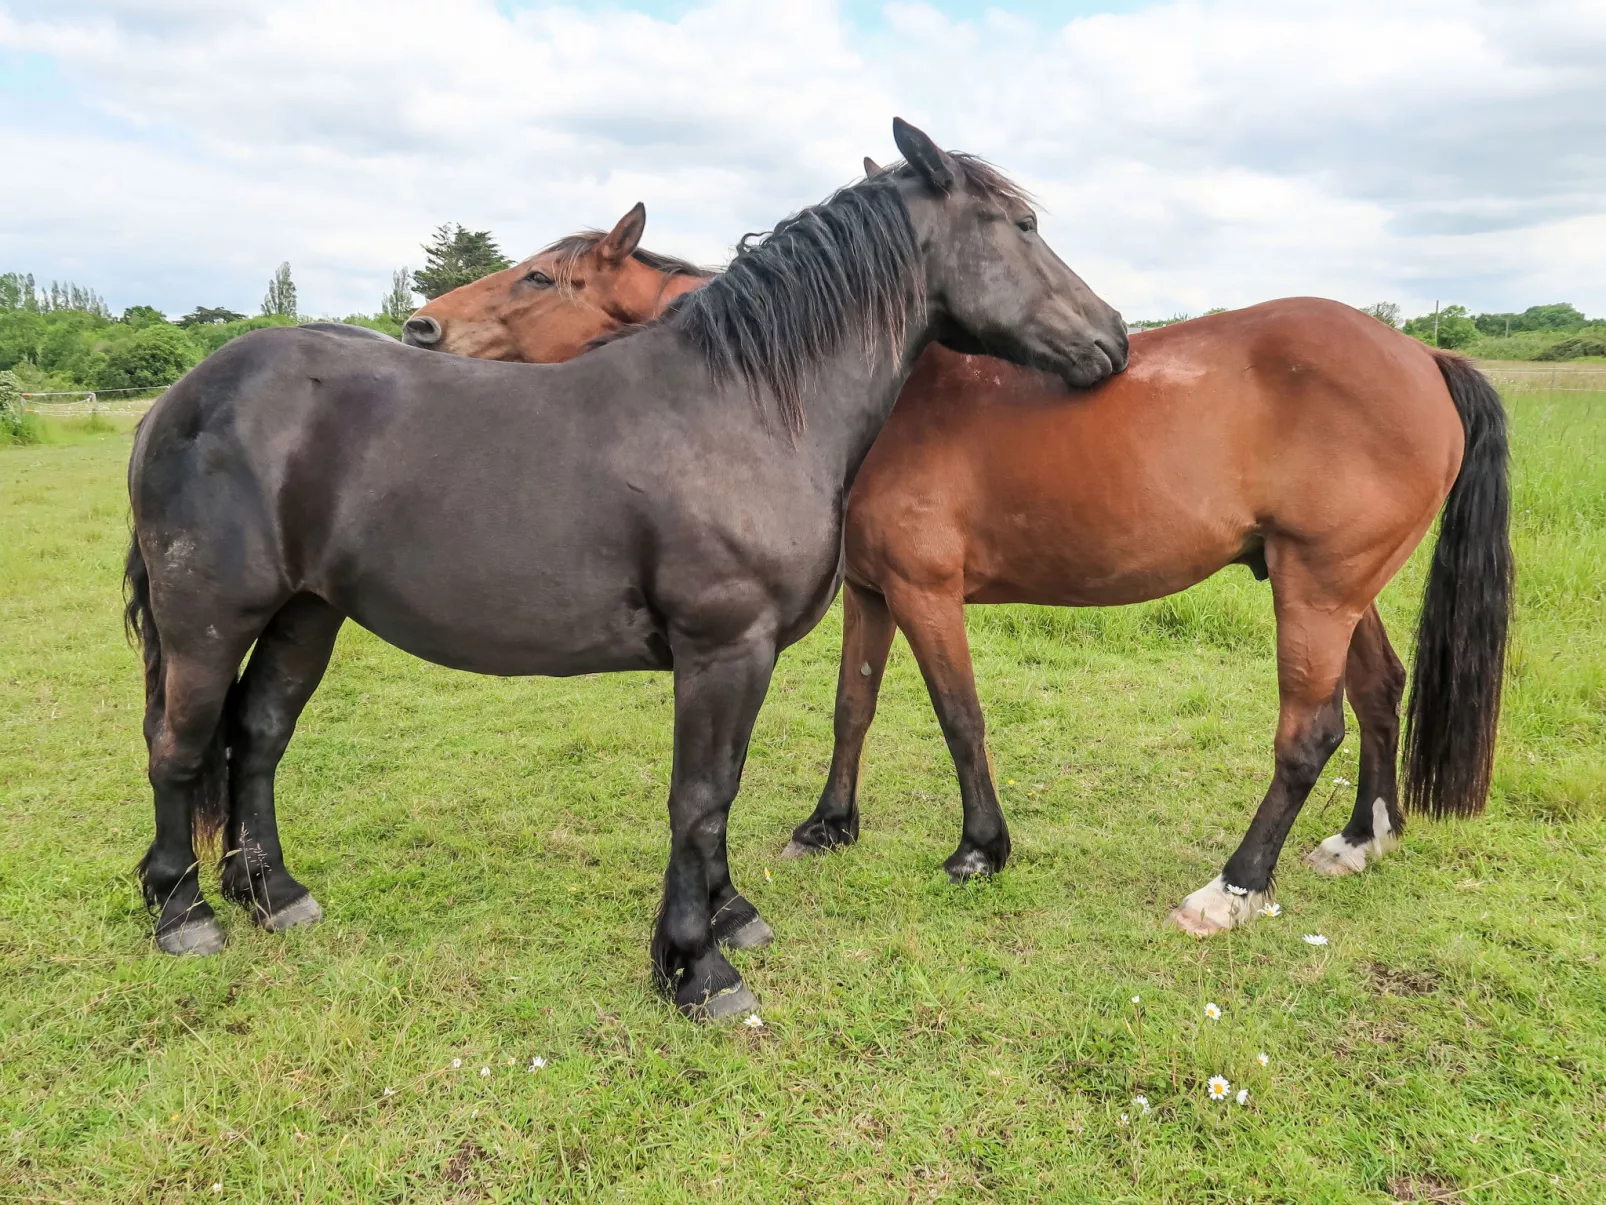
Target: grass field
(489,854)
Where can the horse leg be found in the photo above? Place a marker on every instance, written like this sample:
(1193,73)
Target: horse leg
(285,668)
(1375,682)
(181,724)
(867,632)
(717,697)
(1311,647)
(934,625)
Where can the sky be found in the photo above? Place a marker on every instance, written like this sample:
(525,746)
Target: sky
(1186,153)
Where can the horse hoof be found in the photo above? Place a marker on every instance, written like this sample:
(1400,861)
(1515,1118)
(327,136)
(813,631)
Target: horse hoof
(203,936)
(796,849)
(754,935)
(729,1005)
(1336,857)
(1195,923)
(304,911)
(966,866)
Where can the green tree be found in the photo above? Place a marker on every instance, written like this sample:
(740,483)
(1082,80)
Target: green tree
(209,315)
(457,257)
(139,316)
(398,303)
(1450,327)
(1385,312)
(280,299)
(156,355)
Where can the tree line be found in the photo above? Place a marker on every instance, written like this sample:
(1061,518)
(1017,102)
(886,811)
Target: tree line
(64,336)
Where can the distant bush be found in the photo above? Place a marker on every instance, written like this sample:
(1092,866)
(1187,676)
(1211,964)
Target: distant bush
(1574,347)
(17,426)
(152,356)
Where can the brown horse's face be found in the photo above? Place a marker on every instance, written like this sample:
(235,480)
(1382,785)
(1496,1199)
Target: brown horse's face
(548,308)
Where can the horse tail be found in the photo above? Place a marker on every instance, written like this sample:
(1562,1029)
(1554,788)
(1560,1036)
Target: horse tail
(211,803)
(1466,613)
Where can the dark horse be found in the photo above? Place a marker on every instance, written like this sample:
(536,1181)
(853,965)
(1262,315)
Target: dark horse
(1301,438)
(673,500)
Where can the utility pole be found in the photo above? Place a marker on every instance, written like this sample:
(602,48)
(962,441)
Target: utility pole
(1435,324)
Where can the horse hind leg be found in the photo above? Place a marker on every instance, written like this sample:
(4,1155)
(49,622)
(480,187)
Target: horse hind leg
(183,727)
(285,668)
(1311,648)
(867,632)
(1375,682)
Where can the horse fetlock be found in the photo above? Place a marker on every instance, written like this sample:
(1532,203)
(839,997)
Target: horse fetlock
(973,861)
(1219,906)
(821,834)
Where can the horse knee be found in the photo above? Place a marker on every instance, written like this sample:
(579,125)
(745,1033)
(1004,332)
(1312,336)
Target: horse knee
(1302,758)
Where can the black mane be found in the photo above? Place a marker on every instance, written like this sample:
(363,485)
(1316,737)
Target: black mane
(847,268)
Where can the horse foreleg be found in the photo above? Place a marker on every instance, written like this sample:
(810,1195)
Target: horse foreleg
(934,624)
(867,632)
(1374,679)
(718,693)
(285,668)
(1311,649)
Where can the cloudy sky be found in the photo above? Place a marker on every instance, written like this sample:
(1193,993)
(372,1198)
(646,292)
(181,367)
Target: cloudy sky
(1187,154)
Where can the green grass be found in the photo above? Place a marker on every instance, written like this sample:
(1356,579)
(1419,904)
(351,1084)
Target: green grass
(489,853)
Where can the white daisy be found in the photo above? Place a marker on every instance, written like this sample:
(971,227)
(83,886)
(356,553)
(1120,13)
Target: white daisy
(485,1071)
(1340,781)
(1137,999)
(1219,1087)
(1123,1119)
(1271,910)
(1235,889)
(1213,1011)
(390,1092)
(218,1187)
(1142,1103)
(1263,1059)
(1315,939)
(457,1063)
(754,1021)
(1243,1096)
(537,1063)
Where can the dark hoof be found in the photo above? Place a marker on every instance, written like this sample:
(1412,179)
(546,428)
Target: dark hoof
(754,935)
(195,935)
(796,849)
(301,912)
(732,1004)
(969,864)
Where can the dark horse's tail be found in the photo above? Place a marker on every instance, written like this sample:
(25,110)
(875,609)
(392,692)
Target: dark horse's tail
(212,801)
(1466,611)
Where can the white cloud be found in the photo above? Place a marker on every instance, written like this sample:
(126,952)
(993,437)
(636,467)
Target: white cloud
(1188,154)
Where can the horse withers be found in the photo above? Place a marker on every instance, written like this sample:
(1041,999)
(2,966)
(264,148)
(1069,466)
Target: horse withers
(1301,438)
(562,298)
(673,501)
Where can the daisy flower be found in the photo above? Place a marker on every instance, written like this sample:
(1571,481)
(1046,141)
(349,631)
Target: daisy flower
(1235,889)
(485,1071)
(754,1021)
(218,1187)
(1340,781)
(1263,1059)
(1271,910)
(457,1063)
(537,1063)
(1243,1096)
(390,1092)
(1141,1103)
(1137,999)
(1315,939)
(1213,1011)
(1219,1087)
(1123,1118)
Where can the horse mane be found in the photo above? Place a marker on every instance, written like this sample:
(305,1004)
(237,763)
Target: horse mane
(569,250)
(846,269)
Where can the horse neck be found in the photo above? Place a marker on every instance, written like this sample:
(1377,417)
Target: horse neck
(851,395)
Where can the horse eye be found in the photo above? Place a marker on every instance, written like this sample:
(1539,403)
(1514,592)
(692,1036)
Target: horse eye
(538,278)
(1028,224)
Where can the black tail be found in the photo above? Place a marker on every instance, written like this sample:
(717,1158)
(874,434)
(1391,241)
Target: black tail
(1466,611)
(212,801)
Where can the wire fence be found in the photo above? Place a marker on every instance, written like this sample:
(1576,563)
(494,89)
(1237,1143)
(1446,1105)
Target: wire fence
(74,402)
(1562,378)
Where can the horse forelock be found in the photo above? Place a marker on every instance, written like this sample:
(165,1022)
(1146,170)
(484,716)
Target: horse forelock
(567,252)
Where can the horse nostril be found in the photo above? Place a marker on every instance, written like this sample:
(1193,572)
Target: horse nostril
(421,331)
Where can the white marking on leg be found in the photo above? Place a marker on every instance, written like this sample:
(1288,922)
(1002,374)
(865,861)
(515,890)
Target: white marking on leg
(1338,856)
(1217,907)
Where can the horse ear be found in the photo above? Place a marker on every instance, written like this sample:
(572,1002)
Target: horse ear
(924,155)
(616,247)
(871,167)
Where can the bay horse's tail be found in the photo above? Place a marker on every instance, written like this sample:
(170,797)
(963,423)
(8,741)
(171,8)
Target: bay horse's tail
(211,805)
(1466,611)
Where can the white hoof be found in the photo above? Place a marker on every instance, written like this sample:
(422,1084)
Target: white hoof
(1336,856)
(1215,909)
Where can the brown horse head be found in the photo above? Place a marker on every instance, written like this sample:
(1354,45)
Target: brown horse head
(552,305)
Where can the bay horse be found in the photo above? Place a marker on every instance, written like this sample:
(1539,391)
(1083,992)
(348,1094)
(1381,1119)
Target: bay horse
(548,307)
(672,501)
(1301,438)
